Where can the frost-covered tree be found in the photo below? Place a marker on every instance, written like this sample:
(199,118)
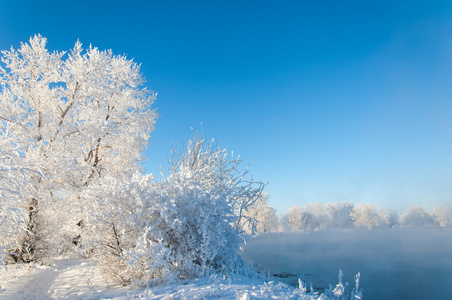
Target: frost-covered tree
(119,225)
(16,217)
(320,216)
(252,213)
(300,219)
(443,215)
(367,216)
(331,215)
(339,215)
(321,213)
(78,116)
(417,216)
(267,220)
(393,219)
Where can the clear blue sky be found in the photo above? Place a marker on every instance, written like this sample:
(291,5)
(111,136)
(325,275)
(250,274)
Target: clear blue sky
(325,100)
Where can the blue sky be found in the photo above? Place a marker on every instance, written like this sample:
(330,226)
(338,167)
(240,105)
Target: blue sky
(325,100)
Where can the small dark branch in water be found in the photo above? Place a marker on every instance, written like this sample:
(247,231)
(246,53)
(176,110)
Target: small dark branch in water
(284,275)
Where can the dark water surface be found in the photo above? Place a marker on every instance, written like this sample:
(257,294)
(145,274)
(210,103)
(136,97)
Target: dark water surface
(394,264)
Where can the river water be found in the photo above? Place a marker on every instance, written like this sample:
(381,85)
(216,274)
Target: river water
(394,264)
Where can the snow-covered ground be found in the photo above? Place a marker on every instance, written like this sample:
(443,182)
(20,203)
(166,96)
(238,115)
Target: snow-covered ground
(394,264)
(78,279)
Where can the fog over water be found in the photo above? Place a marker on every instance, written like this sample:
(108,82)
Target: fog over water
(394,264)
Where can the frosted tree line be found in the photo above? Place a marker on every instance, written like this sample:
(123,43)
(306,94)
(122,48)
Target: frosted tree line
(344,215)
(73,128)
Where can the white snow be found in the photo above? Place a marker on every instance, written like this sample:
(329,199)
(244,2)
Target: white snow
(66,279)
(78,279)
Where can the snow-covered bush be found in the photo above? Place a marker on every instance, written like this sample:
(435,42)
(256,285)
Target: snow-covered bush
(206,199)
(417,216)
(340,291)
(183,226)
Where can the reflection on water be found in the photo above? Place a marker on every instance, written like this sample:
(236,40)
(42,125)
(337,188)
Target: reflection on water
(394,264)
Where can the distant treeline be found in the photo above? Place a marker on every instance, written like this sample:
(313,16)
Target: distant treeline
(344,215)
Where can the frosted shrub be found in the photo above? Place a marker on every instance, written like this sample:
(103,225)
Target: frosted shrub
(206,199)
(340,291)
(185,226)
(356,292)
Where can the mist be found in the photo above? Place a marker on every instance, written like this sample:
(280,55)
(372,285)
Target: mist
(394,264)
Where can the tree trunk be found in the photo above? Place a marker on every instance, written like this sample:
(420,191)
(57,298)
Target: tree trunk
(27,251)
